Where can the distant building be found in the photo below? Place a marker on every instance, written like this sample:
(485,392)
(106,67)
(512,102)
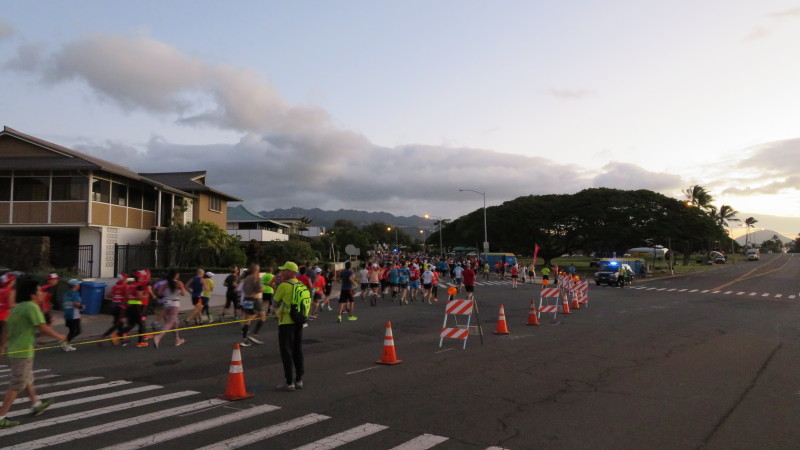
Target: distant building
(248,225)
(296,224)
(313,232)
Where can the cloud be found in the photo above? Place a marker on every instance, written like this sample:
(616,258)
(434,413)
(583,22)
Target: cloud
(793,13)
(29,58)
(568,94)
(756,34)
(771,188)
(777,157)
(6,31)
(629,176)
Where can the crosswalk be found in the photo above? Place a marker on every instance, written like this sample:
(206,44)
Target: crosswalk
(734,292)
(92,412)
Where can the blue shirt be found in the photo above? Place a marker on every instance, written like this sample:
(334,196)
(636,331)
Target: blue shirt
(405,274)
(70,311)
(344,277)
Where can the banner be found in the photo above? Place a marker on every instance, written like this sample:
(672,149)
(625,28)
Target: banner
(535,253)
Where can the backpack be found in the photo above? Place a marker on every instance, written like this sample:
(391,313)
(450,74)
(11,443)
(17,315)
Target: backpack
(301,303)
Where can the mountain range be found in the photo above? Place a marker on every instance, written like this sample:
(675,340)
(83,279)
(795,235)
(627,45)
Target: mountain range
(323,218)
(326,218)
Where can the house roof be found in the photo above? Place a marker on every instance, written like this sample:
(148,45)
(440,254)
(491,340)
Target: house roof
(186,184)
(189,182)
(240,213)
(72,159)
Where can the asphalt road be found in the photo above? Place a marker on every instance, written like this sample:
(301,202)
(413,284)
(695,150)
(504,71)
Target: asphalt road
(699,361)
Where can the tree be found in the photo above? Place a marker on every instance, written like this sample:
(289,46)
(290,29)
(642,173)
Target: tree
(749,222)
(203,243)
(699,196)
(774,244)
(725,214)
(796,248)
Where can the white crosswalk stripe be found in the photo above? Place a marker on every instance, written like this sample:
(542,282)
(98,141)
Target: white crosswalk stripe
(93,412)
(97,427)
(78,390)
(344,437)
(175,433)
(119,424)
(268,432)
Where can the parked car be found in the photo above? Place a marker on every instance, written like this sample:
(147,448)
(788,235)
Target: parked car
(753,254)
(609,274)
(720,260)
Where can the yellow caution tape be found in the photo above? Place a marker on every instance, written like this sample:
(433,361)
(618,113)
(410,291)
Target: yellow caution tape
(136,335)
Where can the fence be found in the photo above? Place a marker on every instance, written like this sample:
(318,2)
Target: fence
(128,258)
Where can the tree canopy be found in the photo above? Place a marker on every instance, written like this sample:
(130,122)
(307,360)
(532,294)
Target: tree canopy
(597,220)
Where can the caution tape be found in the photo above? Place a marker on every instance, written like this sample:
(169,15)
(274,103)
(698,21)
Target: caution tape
(136,335)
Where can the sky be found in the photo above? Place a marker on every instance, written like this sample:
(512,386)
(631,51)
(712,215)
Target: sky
(396,105)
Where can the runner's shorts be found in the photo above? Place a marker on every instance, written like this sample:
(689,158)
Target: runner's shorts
(346,296)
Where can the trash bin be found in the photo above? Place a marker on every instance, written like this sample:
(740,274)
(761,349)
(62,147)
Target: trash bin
(92,294)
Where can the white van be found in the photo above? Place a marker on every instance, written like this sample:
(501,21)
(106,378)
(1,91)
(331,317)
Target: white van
(753,254)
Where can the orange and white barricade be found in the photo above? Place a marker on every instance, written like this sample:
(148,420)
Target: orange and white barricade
(582,292)
(545,303)
(456,308)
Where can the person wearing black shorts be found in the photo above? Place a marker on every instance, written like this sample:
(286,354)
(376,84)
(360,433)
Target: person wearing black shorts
(347,278)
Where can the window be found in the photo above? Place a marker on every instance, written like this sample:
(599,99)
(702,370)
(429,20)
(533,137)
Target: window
(135,198)
(31,189)
(70,188)
(149,200)
(215,204)
(101,190)
(5,189)
(119,194)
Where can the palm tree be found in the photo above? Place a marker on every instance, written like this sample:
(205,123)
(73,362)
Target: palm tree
(749,222)
(725,214)
(699,196)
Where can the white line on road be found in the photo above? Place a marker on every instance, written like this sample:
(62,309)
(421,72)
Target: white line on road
(113,426)
(81,401)
(265,433)
(778,295)
(344,437)
(421,443)
(765,295)
(186,430)
(442,351)
(35,371)
(61,383)
(728,292)
(753,293)
(693,290)
(362,370)
(792,296)
(93,387)
(94,412)
(704,291)
(716,292)
(739,293)
(671,290)
(682,290)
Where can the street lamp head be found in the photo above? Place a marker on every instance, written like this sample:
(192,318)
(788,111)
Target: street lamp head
(427,216)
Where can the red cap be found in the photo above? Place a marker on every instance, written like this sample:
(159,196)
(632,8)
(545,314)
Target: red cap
(7,278)
(52,276)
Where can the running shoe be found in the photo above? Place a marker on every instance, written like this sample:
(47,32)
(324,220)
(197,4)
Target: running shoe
(156,341)
(298,385)
(246,343)
(142,344)
(253,338)
(179,342)
(5,422)
(339,319)
(352,318)
(37,410)
(285,387)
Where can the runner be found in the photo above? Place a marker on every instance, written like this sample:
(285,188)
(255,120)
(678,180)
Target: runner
(196,287)
(347,278)
(469,281)
(252,304)
(427,284)
(72,307)
(514,276)
(171,291)
(374,283)
(208,288)
(231,298)
(458,274)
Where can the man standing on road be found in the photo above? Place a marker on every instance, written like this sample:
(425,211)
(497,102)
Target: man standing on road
(23,322)
(347,278)
(290,334)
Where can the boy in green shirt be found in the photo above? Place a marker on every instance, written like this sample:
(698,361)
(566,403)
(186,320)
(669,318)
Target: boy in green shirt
(23,322)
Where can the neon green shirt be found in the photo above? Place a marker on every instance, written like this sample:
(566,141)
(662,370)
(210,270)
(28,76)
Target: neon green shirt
(22,322)
(283,296)
(266,279)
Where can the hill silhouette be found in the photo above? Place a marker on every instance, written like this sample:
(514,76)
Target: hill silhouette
(324,218)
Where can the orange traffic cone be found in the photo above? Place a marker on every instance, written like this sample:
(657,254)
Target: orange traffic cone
(565,305)
(502,327)
(235,389)
(389,357)
(533,315)
(575,304)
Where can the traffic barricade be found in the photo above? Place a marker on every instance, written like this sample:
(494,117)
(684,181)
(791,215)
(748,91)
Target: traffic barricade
(548,300)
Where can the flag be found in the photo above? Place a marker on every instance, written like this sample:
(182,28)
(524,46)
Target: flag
(535,253)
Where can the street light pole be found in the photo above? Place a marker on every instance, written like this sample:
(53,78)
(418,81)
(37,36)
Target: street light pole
(396,245)
(441,232)
(485,228)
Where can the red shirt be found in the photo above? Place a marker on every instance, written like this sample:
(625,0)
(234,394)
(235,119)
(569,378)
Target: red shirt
(4,303)
(468,275)
(514,270)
